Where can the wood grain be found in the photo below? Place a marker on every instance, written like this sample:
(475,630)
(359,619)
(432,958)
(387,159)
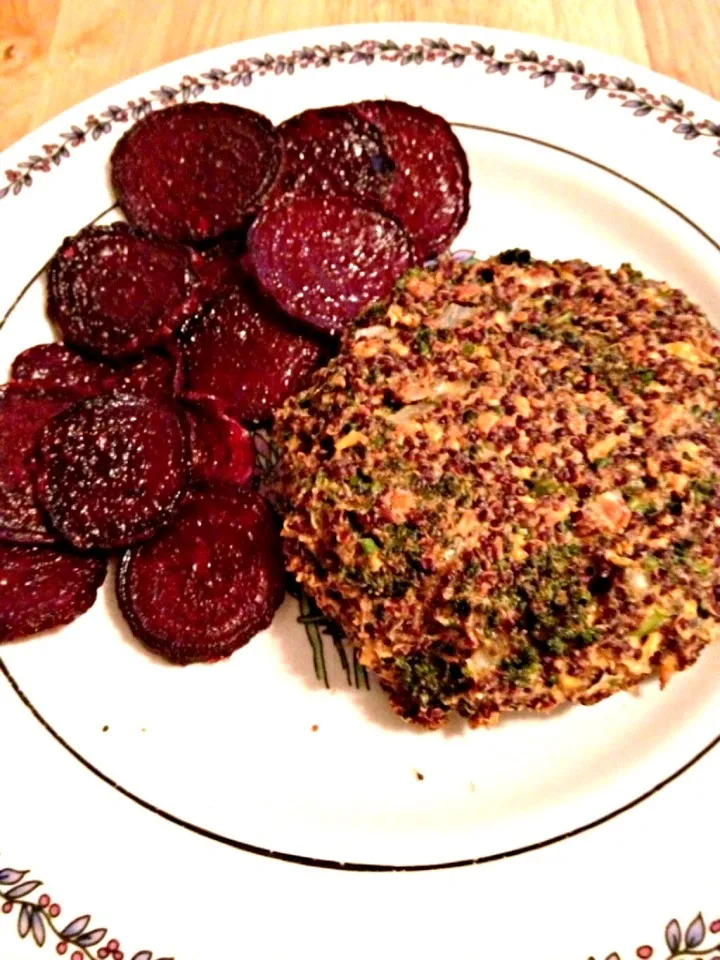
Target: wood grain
(54,53)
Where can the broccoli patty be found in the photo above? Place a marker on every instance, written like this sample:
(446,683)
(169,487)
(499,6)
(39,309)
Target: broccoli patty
(505,487)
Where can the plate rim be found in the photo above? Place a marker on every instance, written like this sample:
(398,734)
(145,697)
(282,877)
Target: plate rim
(22,167)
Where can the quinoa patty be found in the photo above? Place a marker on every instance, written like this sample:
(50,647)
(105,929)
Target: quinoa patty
(505,487)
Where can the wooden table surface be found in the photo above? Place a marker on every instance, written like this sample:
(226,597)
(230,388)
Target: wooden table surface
(54,53)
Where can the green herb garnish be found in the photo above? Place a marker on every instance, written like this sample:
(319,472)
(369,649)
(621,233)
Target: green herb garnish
(519,667)
(704,488)
(369,545)
(423,340)
(653,621)
(544,486)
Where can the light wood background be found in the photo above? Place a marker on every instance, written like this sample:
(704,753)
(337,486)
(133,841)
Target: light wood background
(54,53)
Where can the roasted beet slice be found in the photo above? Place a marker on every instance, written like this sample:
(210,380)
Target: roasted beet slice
(333,149)
(195,171)
(221,449)
(111,470)
(326,258)
(53,366)
(208,583)
(243,351)
(43,587)
(114,292)
(215,269)
(24,411)
(429,191)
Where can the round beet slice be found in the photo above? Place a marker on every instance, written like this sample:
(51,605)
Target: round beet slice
(208,583)
(24,411)
(216,269)
(111,470)
(194,171)
(335,149)
(429,191)
(324,259)
(221,449)
(53,366)
(114,292)
(243,351)
(42,587)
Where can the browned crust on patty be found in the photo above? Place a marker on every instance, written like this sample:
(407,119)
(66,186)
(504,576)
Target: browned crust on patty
(505,488)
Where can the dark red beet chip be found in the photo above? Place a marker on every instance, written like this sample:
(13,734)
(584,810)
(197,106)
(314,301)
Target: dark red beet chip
(221,449)
(24,411)
(53,366)
(195,171)
(333,149)
(114,292)
(208,583)
(216,269)
(111,470)
(325,259)
(429,191)
(41,587)
(243,351)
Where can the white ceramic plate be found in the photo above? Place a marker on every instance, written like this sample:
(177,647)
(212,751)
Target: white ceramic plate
(199,811)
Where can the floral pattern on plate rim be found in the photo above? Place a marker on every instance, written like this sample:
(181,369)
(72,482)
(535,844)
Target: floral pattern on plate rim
(38,916)
(638,99)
